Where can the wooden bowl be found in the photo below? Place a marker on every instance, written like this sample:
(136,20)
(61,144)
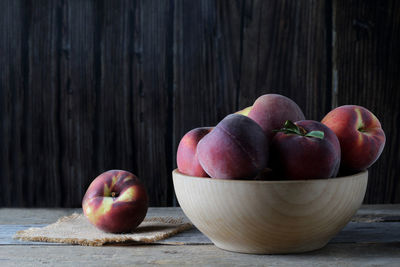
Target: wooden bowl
(270,217)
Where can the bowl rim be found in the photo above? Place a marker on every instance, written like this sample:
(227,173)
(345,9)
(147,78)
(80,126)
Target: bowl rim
(217,180)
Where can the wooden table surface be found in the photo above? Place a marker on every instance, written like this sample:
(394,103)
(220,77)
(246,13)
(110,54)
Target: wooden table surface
(372,238)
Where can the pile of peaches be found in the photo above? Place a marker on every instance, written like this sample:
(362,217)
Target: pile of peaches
(271,140)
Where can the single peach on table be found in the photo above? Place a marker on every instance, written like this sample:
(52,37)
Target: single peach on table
(236,148)
(116,201)
(186,156)
(360,134)
(305,150)
(271,111)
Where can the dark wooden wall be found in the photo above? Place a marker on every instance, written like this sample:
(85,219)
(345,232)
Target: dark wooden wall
(87,86)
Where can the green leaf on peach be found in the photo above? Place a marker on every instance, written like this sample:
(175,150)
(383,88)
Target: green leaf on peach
(316,134)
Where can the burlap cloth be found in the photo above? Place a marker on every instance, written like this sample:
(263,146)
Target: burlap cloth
(76,229)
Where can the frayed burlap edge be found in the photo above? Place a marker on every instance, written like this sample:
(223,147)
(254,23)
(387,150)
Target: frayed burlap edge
(179,226)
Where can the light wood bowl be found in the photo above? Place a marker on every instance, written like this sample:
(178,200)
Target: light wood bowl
(270,217)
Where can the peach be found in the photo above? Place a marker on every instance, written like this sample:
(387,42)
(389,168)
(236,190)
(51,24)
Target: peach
(186,156)
(236,148)
(360,134)
(244,111)
(271,111)
(305,150)
(116,201)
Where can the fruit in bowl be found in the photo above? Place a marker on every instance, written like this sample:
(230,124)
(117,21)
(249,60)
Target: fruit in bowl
(116,201)
(360,134)
(305,150)
(270,217)
(235,148)
(186,156)
(273,185)
(271,111)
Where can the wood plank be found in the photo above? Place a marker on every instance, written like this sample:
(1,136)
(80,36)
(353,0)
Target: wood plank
(152,88)
(102,114)
(12,112)
(382,225)
(33,136)
(8,231)
(113,146)
(285,50)
(88,88)
(41,184)
(206,63)
(367,62)
(78,102)
(115,91)
(24,216)
(354,232)
(331,255)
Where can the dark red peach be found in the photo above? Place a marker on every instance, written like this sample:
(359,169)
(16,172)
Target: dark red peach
(306,155)
(236,148)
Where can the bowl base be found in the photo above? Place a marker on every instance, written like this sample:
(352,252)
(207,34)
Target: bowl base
(269,250)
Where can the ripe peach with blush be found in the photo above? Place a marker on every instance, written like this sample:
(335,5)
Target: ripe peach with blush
(186,156)
(360,134)
(116,201)
(271,111)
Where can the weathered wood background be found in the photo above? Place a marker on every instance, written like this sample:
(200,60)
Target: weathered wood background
(87,86)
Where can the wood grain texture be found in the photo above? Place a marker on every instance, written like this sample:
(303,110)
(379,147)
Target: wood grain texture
(78,89)
(123,56)
(152,99)
(270,217)
(284,51)
(31,132)
(11,101)
(371,224)
(84,89)
(206,255)
(206,62)
(367,59)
